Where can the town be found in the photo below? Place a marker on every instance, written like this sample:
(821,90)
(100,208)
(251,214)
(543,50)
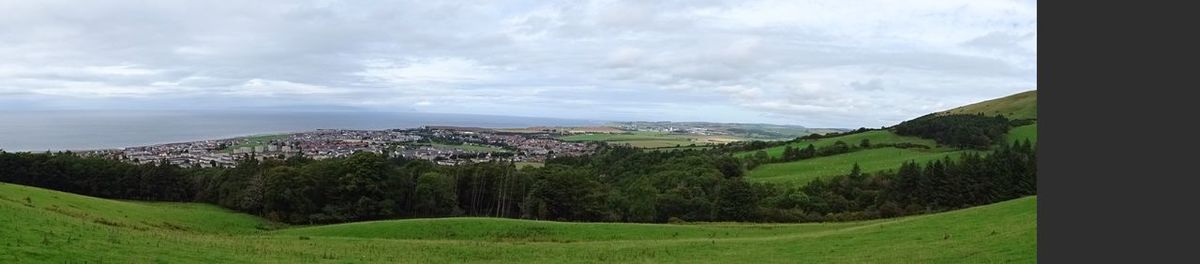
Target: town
(444,145)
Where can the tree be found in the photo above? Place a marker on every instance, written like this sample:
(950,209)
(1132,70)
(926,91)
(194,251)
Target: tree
(960,130)
(762,156)
(730,167)
(641,198)
(434,195)
(737,201)
(789,153)
(865,143)
(856,172)
(360,194)
(808,152)
(566,194)
(286,195)
(838,147)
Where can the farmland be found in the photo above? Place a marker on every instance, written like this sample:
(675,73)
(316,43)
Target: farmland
(1021,105)
(870,160)
(646,139)
(469,147)
(255,141)
(875,137)
(1023,133)
(48,226)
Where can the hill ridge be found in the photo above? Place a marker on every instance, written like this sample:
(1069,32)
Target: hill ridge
(1015,106)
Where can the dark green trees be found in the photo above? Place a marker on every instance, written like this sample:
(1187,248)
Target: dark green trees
(562,193)
(737,202)
(790,153)
(435,195)
(960,130)
(615,184)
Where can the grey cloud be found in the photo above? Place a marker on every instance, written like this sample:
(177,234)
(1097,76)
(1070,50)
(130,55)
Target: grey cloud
(871,85)
(677,59)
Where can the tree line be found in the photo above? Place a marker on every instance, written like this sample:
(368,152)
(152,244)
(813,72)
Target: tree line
(975,131)
(1008,172)
(616,184)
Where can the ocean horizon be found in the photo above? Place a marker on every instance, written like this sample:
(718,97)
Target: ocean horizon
(37,131)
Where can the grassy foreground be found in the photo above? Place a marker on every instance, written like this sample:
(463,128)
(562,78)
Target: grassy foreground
(42,226)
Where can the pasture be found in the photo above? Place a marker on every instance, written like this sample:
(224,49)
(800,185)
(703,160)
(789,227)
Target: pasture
(43,226)
(649,139)
(1026,132)
(869,160)
(874,136)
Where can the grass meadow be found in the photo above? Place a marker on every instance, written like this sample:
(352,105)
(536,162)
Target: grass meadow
(870,160)
(42,226)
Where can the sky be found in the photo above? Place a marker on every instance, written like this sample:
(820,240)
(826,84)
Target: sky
(811,63)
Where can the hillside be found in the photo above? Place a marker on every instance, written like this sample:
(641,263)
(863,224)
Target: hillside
(1018,106)
(43,226)
(1021,105)
(1026,132)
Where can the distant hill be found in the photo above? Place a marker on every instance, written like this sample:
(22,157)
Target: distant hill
(1018,106)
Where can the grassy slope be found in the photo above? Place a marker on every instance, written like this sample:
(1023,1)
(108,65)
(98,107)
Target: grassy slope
(871,160)
(522,164)
(1021,105)
(513,230)
(1017,106)
(133,215)
(1023,132)
(1002,232)
(876,137)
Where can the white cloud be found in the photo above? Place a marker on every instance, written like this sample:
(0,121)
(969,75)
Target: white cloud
(813,62)
(428,71)
(272,88)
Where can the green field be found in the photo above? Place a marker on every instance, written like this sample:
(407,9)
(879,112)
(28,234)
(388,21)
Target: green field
(641,139)
(514,230)
(522,164)
(1018,106)
(1023,132)
(697,147)
(471,147)
(42,226)
(870,160)
(254,141)
(875,137)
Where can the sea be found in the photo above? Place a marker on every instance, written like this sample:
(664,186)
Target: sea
(38,131)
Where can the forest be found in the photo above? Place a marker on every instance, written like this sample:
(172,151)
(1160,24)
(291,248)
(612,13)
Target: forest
(617,184)
(975,131)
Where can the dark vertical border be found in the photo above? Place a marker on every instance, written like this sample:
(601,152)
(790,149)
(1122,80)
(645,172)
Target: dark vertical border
(1115,139)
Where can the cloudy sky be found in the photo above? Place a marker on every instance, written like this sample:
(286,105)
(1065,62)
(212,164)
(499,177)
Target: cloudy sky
(812,63)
